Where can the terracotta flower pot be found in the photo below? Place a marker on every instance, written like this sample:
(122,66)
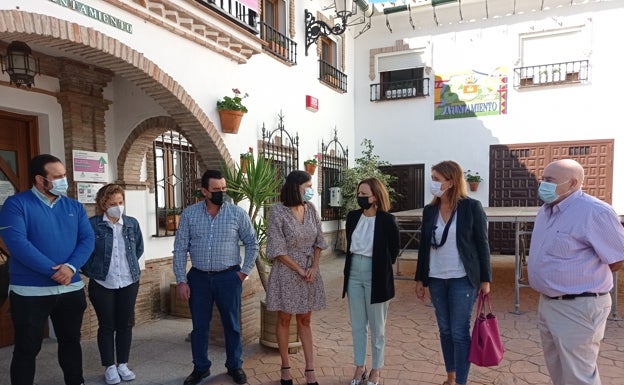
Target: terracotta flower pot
(172,221)
(244,163)
(474,186)
(310,168)
(230,120)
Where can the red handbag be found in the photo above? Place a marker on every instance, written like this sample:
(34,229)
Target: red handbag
(486,347)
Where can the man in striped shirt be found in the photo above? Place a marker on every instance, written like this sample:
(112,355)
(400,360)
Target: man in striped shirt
(576,244)
(210,232)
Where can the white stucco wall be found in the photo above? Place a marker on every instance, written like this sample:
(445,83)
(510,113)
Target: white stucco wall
(206,76)
(405,132)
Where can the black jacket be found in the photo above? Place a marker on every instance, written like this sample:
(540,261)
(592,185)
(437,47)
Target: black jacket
(472,242)
(385,251)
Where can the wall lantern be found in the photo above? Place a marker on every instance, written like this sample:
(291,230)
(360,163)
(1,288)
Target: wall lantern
(317,28)
(20,64)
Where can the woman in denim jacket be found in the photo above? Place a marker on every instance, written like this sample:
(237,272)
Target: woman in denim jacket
(114,272)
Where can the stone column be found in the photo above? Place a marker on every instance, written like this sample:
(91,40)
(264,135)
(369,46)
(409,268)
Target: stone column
(82,101)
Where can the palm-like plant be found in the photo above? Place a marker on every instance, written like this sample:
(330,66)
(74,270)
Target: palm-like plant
(258,185)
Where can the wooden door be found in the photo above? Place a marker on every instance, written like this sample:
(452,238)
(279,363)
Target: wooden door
(410,193)
(515,170)
(18,144)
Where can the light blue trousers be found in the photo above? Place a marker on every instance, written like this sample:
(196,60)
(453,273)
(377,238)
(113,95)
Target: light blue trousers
(364,315)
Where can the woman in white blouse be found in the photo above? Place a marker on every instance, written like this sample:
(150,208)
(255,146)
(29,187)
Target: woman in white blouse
(114,273)
(372,249)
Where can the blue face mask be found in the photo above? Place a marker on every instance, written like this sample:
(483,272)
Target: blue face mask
(547,191)
(59,186)
(308,193)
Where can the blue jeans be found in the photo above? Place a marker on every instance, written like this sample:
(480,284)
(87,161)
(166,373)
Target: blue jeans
(364,314)
(30,314)
(115,312)
(453,300)
(225,290)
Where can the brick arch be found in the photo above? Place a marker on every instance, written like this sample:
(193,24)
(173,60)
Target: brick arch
(138,146)
(96,48)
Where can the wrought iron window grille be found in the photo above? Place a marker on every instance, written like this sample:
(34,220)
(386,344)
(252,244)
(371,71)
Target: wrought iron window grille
(176,171)
(399,90)
(281,147)
(333,77)
(334,161)
(279,44)
(569,72)
(235,11)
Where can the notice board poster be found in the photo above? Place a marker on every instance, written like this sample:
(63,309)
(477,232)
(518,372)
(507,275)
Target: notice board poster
(90,166)
(87,191)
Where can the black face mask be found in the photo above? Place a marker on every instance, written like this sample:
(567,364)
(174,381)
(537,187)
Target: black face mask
(364,203)
(217,198)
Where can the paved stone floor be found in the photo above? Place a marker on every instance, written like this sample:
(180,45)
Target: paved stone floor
(161,356)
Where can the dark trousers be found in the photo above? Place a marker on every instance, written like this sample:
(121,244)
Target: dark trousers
(115,313)
(224,290)
(29,316)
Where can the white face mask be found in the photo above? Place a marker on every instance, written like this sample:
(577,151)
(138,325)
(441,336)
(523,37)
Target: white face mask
(115,211)
(435,188)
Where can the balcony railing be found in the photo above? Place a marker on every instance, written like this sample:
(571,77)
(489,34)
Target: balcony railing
(551,74)
(331,76)
(235,11)
(405,89)
(278,44)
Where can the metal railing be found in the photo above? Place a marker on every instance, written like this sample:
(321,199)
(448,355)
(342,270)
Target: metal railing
(404,89)
(278,44)
(334,162)
(333,77)
(551,74)
(235,11)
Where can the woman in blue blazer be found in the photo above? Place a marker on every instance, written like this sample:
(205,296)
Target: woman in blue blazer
(372,248)
(454,263)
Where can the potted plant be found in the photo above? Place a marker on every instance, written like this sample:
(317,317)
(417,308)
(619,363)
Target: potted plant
(556,74)
(245,158)
(473,179)
(231,111)
(170,217)
(281,47)
(260,186)
(310,164)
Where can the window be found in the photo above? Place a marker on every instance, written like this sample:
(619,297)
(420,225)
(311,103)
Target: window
(274,31)
(333,163)
(400,76)
(274,15)
(402,83)
(176,174)
(330,63)
(331,177)
(548,48)
(552,58)
(329,52)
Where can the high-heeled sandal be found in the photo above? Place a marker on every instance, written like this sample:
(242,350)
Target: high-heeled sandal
(310,383)
(361,380)
(282,381)
(369,382)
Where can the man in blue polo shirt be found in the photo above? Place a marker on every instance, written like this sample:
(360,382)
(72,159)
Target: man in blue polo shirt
(49,238)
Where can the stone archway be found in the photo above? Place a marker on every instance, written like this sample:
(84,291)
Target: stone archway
(101,50)
(139,144)
(185,116)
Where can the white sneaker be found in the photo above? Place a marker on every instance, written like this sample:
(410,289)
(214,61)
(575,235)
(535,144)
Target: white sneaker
(111,376)
(125,373)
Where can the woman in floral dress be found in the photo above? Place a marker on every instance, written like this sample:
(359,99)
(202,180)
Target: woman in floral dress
(294,244)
